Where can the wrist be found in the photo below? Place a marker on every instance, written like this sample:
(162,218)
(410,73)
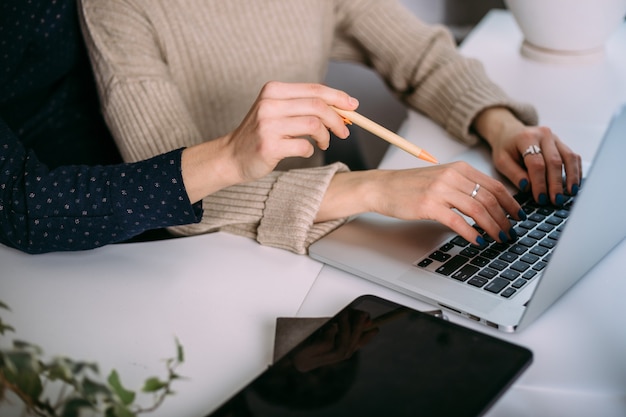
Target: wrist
(349,194)
(495,123)
(207,168)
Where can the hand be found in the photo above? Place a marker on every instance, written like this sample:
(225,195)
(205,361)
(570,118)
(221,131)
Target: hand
(280,123)
(431,193)
(541,172)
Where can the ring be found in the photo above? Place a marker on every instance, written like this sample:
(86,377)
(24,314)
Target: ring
(532,150)
(475,190)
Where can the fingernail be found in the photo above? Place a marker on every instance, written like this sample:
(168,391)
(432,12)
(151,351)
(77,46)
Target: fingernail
(480,241)
(513,234)
(502,236)
(575,189)
(522,214)
(523,185)
(354,101)
(543,199)
(559,200)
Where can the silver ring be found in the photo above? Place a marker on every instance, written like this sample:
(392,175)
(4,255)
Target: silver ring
(475,190)
(532,150)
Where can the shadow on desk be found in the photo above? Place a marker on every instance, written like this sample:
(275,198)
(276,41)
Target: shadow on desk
(150,236)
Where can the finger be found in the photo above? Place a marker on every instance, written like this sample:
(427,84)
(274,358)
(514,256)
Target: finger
(331,96)
(514,171)
(459,225)
(573,168)
(322,116)
(535,164)
(488,208)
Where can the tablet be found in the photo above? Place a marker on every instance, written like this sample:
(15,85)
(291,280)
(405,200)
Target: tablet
(379,358)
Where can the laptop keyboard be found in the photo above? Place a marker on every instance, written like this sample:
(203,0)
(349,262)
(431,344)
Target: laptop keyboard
(503,268)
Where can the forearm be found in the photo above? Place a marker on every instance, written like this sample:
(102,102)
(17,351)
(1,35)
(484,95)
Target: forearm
(208,168)
(348,194)
(82,207)
(422,66)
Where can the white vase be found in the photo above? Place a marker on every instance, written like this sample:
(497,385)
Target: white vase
(566,31)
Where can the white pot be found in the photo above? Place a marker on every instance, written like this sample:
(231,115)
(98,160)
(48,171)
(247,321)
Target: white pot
(566,30)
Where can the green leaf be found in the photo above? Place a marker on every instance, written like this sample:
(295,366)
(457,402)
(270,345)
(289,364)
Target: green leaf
(27,382)
(4,306)
(180,352)
(74,407)
(91,389)
(127,397)
(59,369)
(5,327)
(118,410)
(153,384)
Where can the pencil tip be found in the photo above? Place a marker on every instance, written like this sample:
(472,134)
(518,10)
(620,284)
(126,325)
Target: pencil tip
(428,157)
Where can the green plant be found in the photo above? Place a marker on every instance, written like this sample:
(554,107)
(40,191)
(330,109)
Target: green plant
(76,384)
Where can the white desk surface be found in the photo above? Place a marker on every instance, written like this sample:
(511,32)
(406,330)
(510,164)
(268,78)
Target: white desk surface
(123,305)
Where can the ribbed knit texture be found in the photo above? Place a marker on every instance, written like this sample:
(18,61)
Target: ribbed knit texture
(173,73)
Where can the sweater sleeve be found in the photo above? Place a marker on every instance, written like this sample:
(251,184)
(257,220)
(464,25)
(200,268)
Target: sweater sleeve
(147,115)
(421,65)
(82,207)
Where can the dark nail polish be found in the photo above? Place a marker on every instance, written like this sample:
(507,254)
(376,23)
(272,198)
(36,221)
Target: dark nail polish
(523,185)
(480,241)
(502,236)
(513,234)
(559,200)
(522,214)
(574,189)
(543,199)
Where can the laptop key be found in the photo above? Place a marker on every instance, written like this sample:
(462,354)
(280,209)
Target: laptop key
(479,261)
(425,262)
(465,272)
(499,265)
(488,273)
(496,285)
(446,247)
(452,265)
(459,241)
(508,292)
(478,281)
(509,274)
(440,256)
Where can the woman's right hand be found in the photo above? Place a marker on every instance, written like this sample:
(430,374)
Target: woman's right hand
(433,193)
(280,123)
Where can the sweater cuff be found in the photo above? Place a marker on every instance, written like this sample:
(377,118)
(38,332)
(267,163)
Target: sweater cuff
(481,95)
(293,203)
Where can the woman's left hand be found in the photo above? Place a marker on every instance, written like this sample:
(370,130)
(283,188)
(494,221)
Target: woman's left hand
(531,157)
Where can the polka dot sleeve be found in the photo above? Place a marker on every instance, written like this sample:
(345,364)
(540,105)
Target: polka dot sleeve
(84,207)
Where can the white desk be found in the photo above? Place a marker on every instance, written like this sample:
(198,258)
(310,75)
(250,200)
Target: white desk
(579,344)
(123,305)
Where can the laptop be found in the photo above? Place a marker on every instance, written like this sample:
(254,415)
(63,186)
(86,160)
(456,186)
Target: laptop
(412,257)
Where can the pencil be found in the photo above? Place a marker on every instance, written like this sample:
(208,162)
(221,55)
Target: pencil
(386,134)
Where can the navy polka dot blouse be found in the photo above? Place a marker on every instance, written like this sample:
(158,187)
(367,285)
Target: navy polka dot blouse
(59,187)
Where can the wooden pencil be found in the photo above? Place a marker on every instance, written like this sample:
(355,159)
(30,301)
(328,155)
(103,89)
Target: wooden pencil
(386,134)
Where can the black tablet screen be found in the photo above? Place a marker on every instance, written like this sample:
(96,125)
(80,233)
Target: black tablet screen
(377,358)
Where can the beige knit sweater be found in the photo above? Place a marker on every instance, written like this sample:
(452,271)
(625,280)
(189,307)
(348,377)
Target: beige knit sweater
(172,73)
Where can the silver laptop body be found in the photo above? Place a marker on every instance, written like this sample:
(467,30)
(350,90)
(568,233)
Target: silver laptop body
(386,250)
